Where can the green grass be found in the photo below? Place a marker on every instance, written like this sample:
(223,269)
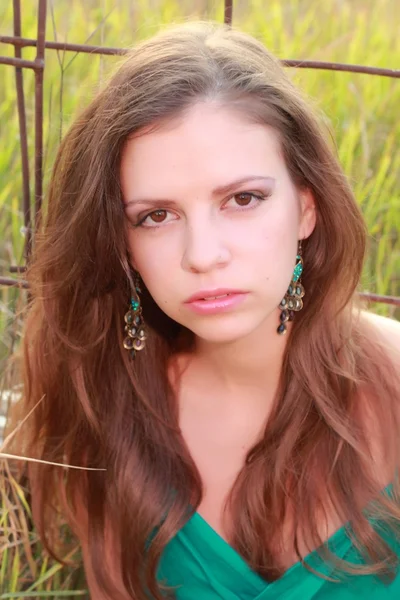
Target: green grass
(361,110)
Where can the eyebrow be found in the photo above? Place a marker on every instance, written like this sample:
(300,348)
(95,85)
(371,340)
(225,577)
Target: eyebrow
(219,191)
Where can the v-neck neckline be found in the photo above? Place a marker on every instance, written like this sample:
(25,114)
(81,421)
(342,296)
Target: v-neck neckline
(339,541)
(233,568)
(199,559)
(332,541)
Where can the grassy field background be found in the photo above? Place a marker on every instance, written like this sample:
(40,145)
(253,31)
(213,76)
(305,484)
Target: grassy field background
(361,110)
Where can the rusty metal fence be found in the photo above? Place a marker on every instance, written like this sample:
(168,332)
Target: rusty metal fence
(31,221)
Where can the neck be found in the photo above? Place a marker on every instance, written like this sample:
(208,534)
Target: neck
(251,363)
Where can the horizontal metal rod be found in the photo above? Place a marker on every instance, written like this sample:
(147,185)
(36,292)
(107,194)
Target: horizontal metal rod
(23,42)
(36,65)
(17,269)
(9,281)
(328,66)
(395,300)
(297,63)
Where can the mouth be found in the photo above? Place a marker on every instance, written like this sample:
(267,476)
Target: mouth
(208,295)
(216,301)
(214,297)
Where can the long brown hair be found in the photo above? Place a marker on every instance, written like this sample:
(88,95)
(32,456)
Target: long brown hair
(101,410)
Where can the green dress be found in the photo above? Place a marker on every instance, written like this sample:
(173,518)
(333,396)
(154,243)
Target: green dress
(204,566)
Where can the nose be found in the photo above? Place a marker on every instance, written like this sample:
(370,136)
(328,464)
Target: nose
(204,248)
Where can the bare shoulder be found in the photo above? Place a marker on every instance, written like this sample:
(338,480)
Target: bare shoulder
(380,413)
(387,330)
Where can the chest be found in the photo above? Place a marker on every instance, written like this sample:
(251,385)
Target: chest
(218,442)
(219,447)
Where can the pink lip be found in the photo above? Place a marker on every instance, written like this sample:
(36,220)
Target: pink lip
(201,305)
(202,294)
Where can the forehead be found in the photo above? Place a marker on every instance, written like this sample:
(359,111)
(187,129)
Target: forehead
(209,143)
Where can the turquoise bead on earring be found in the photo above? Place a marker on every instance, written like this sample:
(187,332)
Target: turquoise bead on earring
(298,269)
(292,302)
(135,304)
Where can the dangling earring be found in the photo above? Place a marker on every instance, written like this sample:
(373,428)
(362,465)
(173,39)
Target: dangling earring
(134,323)
(292,302)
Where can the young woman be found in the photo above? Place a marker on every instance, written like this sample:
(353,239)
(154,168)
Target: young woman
(195,341)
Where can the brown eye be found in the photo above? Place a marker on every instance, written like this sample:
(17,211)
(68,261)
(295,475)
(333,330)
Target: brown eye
(244,199)
(158,216)
(155,218)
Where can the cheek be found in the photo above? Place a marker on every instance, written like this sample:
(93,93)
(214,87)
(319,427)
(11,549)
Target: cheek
(153,262)
(276,233)
(274,249)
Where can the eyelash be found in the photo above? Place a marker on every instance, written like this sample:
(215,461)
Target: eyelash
(259,197)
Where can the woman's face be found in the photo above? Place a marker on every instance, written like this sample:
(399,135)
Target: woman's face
(210,207)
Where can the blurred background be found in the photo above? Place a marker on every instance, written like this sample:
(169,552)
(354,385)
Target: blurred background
(360,110)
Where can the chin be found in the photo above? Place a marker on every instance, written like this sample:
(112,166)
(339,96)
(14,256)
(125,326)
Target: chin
(225,331)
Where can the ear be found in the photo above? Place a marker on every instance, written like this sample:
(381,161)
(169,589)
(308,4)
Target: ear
(308,213)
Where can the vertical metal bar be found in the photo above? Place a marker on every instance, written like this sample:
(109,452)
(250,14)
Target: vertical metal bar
(22,131)
(228,12)
(41,32)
